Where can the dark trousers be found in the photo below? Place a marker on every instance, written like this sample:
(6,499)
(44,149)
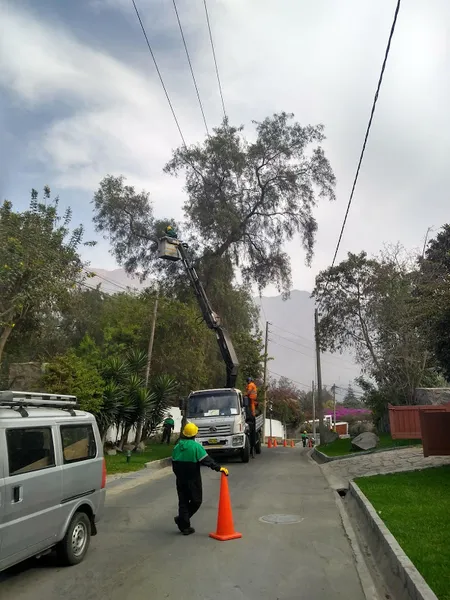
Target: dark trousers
(190,496)
(304,442)
(166,435)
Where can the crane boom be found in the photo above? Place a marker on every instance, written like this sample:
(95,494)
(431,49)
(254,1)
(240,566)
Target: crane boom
(173,249)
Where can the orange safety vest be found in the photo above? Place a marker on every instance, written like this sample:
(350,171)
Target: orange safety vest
(251,391)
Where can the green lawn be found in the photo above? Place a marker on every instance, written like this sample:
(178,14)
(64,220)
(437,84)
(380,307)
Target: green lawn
(118,463)
(343,447)
(416,509)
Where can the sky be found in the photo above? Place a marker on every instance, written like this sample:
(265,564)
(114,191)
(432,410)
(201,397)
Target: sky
(80,98)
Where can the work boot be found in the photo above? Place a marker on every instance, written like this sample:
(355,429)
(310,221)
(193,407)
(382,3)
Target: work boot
(188,531)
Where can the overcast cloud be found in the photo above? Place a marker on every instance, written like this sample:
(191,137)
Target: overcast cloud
(80,98)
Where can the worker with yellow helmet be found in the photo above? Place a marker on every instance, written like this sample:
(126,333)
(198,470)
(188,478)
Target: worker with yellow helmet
(187,457)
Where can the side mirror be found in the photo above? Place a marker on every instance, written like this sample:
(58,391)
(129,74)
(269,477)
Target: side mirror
(245,401)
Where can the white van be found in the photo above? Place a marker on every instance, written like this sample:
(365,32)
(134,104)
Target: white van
(52,477)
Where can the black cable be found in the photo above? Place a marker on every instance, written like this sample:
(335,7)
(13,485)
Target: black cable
(190,66)
(289,379)
(386,54)
(215,60)
(158,71)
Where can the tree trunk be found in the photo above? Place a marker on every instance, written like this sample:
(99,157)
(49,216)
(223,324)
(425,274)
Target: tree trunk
(3,339)
(139,429)
(124,439)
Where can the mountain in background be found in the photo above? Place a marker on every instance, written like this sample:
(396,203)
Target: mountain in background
(291,338)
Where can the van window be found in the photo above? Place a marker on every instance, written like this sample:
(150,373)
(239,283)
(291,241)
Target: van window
(78,442)
(29,449)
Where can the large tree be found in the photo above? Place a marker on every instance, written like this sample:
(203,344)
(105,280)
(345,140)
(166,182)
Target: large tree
(245,199)
(39,264)
(369,305)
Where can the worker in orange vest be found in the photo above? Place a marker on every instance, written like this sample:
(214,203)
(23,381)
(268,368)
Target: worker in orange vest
(252,395)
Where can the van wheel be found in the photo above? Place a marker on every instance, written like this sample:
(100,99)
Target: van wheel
(73,548)
(245,452)
(258,448)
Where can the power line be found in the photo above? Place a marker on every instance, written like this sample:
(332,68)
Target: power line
(215,60)
(288,378)
(329,355)
(386,54)
(190,66)
(158,71)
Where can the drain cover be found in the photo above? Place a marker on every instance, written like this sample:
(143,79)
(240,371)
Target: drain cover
(281,519)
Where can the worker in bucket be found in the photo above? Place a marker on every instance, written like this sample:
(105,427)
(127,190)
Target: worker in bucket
(187,457)
(170,232)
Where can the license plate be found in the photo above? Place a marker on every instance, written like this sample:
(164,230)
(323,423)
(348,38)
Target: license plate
(212,441)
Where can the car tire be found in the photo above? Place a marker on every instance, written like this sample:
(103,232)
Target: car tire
(73,548)
(245,452)
(258,447)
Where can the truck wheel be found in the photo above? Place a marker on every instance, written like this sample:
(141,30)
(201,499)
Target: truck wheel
(258,447)
(245,452)
(73,548)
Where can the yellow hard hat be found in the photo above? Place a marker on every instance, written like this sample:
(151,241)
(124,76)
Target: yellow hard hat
(190,430)
(169,227)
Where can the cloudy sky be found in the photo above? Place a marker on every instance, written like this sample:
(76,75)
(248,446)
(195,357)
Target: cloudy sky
(79,98)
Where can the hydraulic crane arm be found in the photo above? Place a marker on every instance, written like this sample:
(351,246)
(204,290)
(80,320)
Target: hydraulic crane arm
(174,249)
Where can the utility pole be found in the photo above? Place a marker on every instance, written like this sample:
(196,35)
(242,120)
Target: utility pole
(319,377)
(151,340)
(333,389)
(266,349)
(313,410)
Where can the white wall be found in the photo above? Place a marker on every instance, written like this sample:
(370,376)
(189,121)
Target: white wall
(277,428)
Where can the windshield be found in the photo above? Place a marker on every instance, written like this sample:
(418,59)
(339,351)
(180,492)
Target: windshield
(213,404)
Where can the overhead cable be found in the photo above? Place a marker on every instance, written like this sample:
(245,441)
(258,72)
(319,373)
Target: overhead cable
(380,80)
(215,59)
(191,68)
(159,72)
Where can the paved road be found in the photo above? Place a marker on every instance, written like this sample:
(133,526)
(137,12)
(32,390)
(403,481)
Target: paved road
(139,554)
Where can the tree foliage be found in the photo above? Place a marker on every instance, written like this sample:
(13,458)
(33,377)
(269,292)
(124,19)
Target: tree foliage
(39,264)
(244,201)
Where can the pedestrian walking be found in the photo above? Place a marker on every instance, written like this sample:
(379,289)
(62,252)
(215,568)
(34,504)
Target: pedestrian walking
(168,426)
(187,457)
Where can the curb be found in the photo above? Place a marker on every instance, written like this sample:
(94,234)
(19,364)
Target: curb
(401,575)
(324,458)
(155,465)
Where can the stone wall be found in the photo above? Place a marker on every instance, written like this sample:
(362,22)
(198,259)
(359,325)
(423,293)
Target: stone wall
(432,395)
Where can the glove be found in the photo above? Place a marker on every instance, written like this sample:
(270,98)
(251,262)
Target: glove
(224,471)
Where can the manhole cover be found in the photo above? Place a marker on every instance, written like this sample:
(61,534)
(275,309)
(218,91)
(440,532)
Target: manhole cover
(281,519)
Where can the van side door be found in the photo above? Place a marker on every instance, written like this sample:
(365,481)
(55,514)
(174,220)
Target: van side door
(2,486)
(33,487)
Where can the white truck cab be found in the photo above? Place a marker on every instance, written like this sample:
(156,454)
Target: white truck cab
(221,417)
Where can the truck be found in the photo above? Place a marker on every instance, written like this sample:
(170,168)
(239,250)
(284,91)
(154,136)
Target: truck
(222,415)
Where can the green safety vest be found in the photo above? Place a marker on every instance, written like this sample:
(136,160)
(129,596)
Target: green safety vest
(188,451)
(169,422)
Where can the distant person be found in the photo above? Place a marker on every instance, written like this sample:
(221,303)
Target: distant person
(187,457)
(168,426)
(304,438)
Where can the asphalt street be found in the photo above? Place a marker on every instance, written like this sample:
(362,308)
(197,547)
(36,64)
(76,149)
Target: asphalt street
(139,553)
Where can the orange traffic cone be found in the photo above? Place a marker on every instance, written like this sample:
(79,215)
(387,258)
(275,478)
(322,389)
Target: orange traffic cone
(225,527)
(292,444)
(284,443)
(269,443)
(275,445)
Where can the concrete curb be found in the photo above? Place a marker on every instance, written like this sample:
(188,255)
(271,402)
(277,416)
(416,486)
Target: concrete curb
(365,578)
(402,577)
(324,458)
(155,465)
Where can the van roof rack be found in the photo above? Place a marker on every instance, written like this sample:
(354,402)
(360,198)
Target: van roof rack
(20,400)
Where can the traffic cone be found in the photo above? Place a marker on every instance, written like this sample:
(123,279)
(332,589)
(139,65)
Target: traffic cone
(275,445)
(225,527)
(269,443)
(284,443)
(292,444)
